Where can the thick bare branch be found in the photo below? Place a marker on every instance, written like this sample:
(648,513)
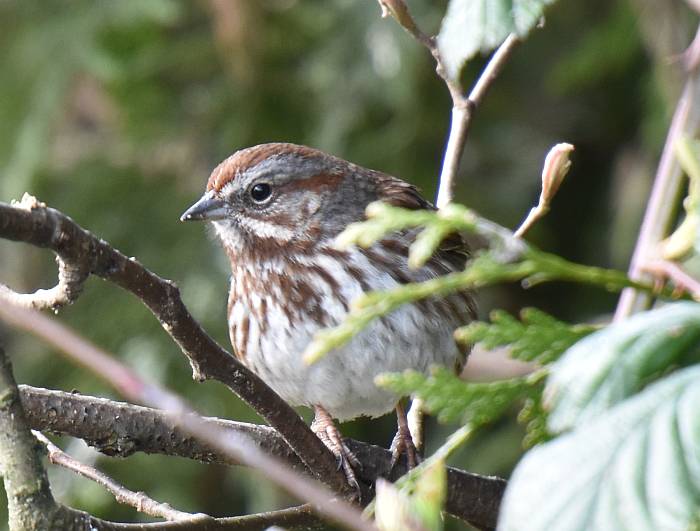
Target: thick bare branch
(45,227)
(30,503)
(120,429)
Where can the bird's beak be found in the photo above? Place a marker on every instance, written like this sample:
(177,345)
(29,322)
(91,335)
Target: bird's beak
(208,208)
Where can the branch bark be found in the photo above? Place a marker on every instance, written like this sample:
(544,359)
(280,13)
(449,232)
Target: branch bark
(237,446)
(119,429)
(138,500)
(30,503)
(36,224)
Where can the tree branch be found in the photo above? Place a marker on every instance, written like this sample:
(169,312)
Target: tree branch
(301,516)
(36,224)
(463,109)
(120,429)
(30,503)
(237,446)
(463,106)
(664,194)
(138,500)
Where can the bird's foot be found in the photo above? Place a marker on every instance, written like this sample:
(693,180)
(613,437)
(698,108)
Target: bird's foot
(326,430)
(403,444)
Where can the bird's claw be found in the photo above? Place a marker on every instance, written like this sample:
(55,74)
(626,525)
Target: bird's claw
(325,429)
(403,444)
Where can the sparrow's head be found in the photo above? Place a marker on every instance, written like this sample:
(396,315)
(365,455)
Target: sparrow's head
(284,193)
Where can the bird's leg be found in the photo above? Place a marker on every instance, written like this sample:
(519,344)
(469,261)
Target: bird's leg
(403,442)
(326,430)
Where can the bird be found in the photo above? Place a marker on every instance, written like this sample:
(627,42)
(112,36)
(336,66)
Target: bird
(277,209)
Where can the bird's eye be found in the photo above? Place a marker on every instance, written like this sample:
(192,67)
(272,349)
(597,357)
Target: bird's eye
(260,192)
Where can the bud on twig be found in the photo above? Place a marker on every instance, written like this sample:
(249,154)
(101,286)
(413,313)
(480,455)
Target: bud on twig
(556,166)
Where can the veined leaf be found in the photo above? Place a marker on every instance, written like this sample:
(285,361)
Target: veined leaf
(610,365)
(471,26)
(635,467)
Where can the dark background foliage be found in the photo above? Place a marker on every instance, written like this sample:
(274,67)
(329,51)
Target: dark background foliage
(115,112)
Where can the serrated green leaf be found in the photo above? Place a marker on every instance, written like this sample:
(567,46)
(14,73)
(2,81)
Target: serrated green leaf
(471,26)
(610,365)
(452,399)
(538,337)
(635,467)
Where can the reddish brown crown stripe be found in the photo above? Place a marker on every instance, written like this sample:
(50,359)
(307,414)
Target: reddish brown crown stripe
(248,158)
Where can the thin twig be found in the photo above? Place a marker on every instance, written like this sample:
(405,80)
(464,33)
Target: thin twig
(138,500)
(664,194)
(463,106)
(117,375)
(462,115)
(239,447)
(69,286)
(691,56)
(45,227)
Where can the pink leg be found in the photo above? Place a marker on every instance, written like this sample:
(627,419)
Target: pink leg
(326,430)
(403,442)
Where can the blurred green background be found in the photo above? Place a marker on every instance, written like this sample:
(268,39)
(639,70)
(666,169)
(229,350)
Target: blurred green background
(115,112)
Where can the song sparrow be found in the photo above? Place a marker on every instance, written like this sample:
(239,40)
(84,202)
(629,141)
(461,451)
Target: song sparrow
(277,209)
